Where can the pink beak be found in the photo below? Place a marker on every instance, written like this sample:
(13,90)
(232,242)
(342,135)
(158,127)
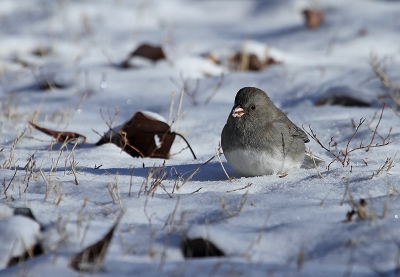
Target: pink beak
(238,111)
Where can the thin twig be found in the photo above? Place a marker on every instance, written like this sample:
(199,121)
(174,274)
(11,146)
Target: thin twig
(218,154)
(216,88)
(315,163)
(376,127)
(245,187)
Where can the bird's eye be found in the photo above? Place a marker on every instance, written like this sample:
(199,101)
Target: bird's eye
(252,107)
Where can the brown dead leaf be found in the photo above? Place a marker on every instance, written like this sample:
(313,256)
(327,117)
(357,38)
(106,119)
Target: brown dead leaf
(60,136)
(360,210)
(199,248)
(251,62)
(241,61)
(153,53)
(213,58)
(144,136)
(42,51)
(91,258)
(313,17)
(27,212)
(254,63)
(20,250)
(35,251)
(271,60)
(342,100)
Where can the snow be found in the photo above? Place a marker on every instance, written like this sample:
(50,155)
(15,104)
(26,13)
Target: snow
(273,226)
(18,235)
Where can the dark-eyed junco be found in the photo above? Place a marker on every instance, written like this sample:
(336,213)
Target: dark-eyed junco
(259,139)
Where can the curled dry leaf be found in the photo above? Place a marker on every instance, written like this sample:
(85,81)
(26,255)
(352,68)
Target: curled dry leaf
(253,56)
(342,100)
(313,17)
(143,136)
(251,62)
(200,247)
(48,85)
(27,212)
(358,209)
(91,258)
(153,53)
(42,51)
(213,58)
(60,136)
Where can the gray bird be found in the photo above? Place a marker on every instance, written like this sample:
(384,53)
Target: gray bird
(259,139)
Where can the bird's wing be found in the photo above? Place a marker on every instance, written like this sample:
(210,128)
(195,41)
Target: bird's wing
(297,132)
(294,131)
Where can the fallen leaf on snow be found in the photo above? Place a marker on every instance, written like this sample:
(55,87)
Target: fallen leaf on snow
(345,96)
(253,56)
(143,136)
(60,136)
(42,51)
(199,247)
(91,258)
(251,62)
(153,53)
(27,212)
(341,100)
(313,17)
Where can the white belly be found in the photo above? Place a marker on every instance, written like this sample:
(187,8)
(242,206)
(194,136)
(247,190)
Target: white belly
(249,163)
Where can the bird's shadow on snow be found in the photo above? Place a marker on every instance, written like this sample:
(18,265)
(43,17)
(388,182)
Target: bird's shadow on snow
(211,171)
(206,172)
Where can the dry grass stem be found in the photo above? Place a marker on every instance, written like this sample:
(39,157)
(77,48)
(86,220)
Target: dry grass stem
(186,88)
(73,170)
(345,193)
(323,200)
(29,168)
(237,209)
(157,175)
(115,193)
(215,90)
(376,128)
(218,154)
(86,229)
(47,184)
(259,236)
(12,179)
(170,222)
(55,167)
(131,170)
(315,163)
(386,166)
(69,156)
(181,181)
(392,89)
(343,155)
(171,107)
(8,163)
(209,160)
(197,190)
(245,187)
(109,122)
(80,216)
(148,216)
(360,209)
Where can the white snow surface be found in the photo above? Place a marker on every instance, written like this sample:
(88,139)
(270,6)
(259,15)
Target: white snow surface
(18,235)
(291,226)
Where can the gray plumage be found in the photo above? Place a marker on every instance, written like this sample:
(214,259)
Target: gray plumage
(259,139)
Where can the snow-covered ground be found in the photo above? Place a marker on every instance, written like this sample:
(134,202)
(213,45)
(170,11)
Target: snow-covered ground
(291,226)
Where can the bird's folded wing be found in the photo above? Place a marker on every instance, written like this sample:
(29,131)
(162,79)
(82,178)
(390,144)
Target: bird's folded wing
(297,132)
